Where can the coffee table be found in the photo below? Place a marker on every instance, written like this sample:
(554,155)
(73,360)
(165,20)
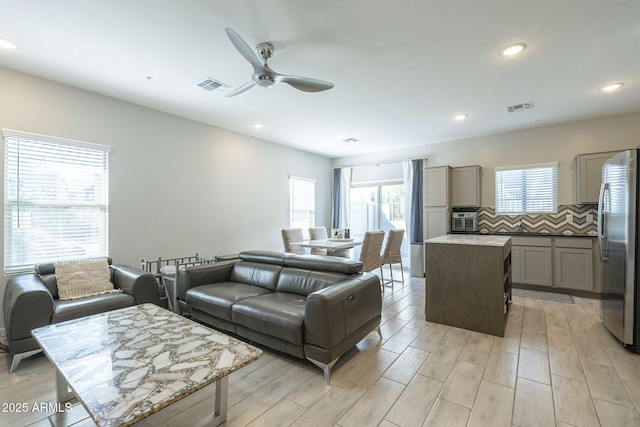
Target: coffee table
(129,365)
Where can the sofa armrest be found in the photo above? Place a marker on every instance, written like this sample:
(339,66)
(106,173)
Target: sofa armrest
(142,286)
(192,276)
(332,314)
(28,304)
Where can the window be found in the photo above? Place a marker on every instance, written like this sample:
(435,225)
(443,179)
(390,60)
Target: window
(527,189)
(302,203)
(55,199)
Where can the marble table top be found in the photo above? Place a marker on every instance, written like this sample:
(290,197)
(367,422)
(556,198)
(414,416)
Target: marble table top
(127,364)
(328,243)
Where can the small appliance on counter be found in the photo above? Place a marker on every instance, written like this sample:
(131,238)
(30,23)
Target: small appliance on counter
(464,222)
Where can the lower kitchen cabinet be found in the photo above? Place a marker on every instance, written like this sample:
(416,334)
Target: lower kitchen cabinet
(532,260)
(574,264)
(535,267)
(557,262)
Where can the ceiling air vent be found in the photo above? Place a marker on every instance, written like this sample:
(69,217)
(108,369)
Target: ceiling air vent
(210,85)
(519,107)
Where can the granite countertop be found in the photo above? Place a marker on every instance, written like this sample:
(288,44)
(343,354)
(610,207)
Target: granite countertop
(527,234)
(471,239)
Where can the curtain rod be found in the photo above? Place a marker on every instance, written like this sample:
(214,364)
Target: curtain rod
(390,162)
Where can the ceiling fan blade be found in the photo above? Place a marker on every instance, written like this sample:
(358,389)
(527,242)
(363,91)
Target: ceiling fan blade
(245,87)
(304,83)
(243,48)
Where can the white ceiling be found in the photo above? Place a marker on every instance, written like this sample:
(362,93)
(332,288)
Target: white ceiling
(401,69)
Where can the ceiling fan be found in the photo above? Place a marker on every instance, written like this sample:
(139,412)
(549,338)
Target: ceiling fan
(263,75)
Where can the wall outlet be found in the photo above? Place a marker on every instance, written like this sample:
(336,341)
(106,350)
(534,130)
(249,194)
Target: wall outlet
(589,218)
(569,218)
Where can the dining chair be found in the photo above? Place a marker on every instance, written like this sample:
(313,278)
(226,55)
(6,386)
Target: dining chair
(292,235)
(370,253)
(318,233)
(391,254)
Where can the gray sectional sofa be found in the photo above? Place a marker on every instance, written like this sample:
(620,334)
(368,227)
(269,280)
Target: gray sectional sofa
(308,306)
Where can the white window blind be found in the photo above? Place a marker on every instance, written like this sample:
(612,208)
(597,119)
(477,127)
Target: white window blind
(55,199)
(302,203)
(527,189)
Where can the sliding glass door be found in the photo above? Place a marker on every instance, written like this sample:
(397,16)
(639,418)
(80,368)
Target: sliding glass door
(378,207)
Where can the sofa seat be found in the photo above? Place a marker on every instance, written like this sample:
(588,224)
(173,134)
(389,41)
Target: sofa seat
(278,314)
(86,306)
(218,298)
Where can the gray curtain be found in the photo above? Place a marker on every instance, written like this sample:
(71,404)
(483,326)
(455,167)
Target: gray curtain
(415,214)
(335,220)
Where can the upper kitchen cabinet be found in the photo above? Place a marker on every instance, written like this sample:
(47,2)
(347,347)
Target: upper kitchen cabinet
(436,186)
(465,186)
(588,176)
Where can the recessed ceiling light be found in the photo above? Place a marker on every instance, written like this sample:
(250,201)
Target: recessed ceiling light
(6,44)
(257,125)
(611,87)
(460,117)
(514,49)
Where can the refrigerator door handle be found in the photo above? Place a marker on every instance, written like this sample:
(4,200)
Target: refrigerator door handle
(602,238)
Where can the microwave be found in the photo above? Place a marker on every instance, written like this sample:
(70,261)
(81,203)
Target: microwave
(464,222)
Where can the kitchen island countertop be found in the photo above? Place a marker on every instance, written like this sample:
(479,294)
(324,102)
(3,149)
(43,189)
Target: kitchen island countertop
(471,239)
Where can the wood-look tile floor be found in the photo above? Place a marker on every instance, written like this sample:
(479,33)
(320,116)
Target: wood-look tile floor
(556,366)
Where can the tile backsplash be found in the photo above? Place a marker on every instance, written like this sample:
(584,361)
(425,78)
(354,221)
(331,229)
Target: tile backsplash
(571,220)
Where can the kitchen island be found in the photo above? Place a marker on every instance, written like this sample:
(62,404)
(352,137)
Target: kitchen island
(468,281)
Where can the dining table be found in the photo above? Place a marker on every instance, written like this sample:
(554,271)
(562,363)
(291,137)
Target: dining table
(334,247)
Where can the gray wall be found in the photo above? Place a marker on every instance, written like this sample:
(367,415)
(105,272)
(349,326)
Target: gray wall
(558,143)
(176,186)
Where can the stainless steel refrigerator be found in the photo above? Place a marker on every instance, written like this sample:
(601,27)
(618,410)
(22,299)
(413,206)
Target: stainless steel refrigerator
(618,244)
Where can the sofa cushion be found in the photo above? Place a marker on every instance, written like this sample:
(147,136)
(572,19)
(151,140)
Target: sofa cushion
(82,278)
(46,272)
(304,282)
(218,298)
(73,309)
(324,263)
(277,314)
(256,274)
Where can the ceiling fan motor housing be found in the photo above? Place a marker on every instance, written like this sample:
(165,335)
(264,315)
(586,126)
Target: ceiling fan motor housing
(265,81)
(265,50)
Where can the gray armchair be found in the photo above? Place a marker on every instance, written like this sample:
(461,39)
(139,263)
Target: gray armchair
(31,301)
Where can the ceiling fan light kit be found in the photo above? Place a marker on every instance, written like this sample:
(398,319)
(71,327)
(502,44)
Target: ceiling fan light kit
(263,75)
(513,49)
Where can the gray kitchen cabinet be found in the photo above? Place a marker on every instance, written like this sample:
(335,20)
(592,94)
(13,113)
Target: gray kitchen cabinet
(532,263)
(436,221)
(437,213)
(465,186)
(436,186)
(588,176)
(574,263)
(559,262)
